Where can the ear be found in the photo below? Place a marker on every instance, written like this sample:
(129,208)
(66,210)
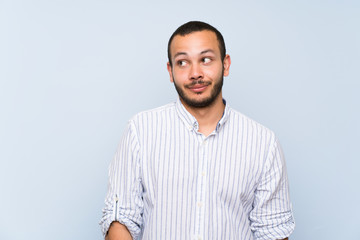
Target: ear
(170,72)
(227,63)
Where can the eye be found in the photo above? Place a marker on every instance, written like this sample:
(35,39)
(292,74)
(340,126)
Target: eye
(181,63)
(206,60)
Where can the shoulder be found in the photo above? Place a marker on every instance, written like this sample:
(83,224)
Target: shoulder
(249,125)
(153,114)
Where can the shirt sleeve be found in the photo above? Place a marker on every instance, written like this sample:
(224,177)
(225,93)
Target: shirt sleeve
(123,202)
(272,217)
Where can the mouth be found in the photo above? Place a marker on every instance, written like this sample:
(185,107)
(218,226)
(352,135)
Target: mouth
(198,87)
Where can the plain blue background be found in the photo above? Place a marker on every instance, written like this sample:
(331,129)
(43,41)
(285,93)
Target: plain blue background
(73,72)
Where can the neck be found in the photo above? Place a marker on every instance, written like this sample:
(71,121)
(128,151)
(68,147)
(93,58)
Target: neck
(207,117)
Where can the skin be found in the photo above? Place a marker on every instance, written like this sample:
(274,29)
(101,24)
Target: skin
(196,57)
(196,71)
(118,231)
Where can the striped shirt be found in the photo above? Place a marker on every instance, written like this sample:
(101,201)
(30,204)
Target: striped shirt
(168,181)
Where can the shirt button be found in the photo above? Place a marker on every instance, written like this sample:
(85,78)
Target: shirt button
(203,173)
(199,204)
(199,238)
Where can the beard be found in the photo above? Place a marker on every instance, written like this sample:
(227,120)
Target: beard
(215,91)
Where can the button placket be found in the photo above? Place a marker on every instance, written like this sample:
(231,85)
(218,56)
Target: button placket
(201,189)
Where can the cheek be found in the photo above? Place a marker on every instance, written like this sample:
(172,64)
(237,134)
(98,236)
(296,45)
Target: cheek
(215,69)
(213,72)
(180,75)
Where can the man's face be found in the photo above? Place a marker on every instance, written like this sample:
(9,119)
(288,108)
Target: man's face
(197,68)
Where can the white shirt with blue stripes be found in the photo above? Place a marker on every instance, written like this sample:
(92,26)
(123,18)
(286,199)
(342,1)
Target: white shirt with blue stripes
(168,181)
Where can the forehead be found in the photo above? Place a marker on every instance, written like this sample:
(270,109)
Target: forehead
(195,42)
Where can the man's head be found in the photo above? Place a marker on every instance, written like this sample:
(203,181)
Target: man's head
(197,26)
(197,64)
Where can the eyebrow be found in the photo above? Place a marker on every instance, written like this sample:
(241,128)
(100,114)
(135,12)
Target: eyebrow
(202,52)
(207,51)
(180,53)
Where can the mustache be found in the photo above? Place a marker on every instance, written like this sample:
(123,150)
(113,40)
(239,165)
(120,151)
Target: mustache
(198,82)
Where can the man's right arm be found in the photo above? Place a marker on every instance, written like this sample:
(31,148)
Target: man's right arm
(123,202)
(118,231)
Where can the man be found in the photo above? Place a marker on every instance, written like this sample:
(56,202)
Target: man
(196,168)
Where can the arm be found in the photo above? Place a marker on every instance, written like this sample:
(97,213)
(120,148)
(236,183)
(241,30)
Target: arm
(123,203)
(272,216)
(117,231)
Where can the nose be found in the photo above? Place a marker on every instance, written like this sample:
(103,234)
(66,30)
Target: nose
(196,72)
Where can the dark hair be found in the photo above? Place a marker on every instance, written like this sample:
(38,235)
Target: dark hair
(197,26)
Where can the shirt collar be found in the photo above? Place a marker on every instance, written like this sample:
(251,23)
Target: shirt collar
(191,122)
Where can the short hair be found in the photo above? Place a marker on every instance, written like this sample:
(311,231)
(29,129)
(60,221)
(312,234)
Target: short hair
(197,26)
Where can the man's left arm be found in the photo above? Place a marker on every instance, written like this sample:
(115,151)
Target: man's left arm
(271,217)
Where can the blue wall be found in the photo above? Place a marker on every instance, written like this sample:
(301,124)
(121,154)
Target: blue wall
(73,72)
